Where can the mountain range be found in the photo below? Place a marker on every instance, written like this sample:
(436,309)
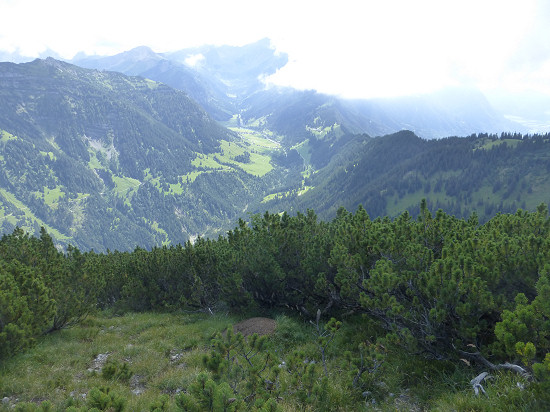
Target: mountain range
(144,149)
(87,151)
(229,80)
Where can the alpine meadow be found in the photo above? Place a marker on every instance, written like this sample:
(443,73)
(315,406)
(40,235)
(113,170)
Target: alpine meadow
(178,234)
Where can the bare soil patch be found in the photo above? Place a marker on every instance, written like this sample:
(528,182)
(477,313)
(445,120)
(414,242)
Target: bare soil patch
(261,326)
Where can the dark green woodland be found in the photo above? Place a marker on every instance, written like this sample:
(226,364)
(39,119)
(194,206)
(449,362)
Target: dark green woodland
(436,287)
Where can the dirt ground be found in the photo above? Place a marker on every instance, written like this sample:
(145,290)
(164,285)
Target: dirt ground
(261,326)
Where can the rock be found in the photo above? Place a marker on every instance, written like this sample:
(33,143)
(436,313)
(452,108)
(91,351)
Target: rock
(99,362)
(138,387)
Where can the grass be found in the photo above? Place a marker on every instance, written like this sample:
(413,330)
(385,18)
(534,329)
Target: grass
(489,143)
(304,150)
(191,176)
(9,217)
(50,155)
(52,142)
(52,196)
(164,352)
(280,195)
(252,142)
(125,186)
(155,226)
(321,132)
(261,141)
(28,214)
(273,196)
(5,136)
(94,162)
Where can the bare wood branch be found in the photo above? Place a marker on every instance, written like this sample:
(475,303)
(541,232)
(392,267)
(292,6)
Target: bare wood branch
(510,366)
(476,382)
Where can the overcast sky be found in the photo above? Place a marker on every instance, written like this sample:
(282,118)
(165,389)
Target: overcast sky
(358,48)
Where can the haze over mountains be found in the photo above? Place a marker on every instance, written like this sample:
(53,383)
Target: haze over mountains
(143,148)
(227,80)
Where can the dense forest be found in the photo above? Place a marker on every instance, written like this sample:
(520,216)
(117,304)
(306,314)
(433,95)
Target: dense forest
(444,290)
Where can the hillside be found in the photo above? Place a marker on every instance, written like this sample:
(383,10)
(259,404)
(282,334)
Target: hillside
(483,173)
(209,92)
(103,160)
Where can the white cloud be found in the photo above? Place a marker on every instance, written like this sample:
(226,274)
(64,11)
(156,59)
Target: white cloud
(353,48)
(194,59)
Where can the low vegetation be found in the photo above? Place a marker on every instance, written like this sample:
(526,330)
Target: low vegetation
(390,314)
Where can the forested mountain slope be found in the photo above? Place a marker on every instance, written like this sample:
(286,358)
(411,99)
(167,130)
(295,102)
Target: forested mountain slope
(209,92)
(104,160)
(482,173)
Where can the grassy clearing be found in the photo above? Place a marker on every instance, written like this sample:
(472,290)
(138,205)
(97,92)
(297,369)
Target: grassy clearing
(259,165)
(52,142)
(259,145)
(125,186)
(304,150)
(396,206)
(155,226)
(176,188)
(321,132)
(28,214)
(49,155)
(210,161)
(260,141)
(191,176)
(489,143)
(52,196)
(233,122)
(5,136)
(259,161)
(94,162)
(9,217)
(163,355)
(280,195)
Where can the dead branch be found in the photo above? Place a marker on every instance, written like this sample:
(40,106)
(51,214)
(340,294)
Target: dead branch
(476,382)
(509,366)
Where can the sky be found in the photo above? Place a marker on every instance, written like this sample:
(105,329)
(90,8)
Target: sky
(355,49)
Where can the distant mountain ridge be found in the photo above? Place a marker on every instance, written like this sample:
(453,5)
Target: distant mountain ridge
(219,79)
(228,81)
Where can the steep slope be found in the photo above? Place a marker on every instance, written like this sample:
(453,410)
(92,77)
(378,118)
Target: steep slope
(452,112)
(142,61)
(230,81)
(104,160)
(457,111)
(49,98)
(389,174)
(217,77)
(241,69)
